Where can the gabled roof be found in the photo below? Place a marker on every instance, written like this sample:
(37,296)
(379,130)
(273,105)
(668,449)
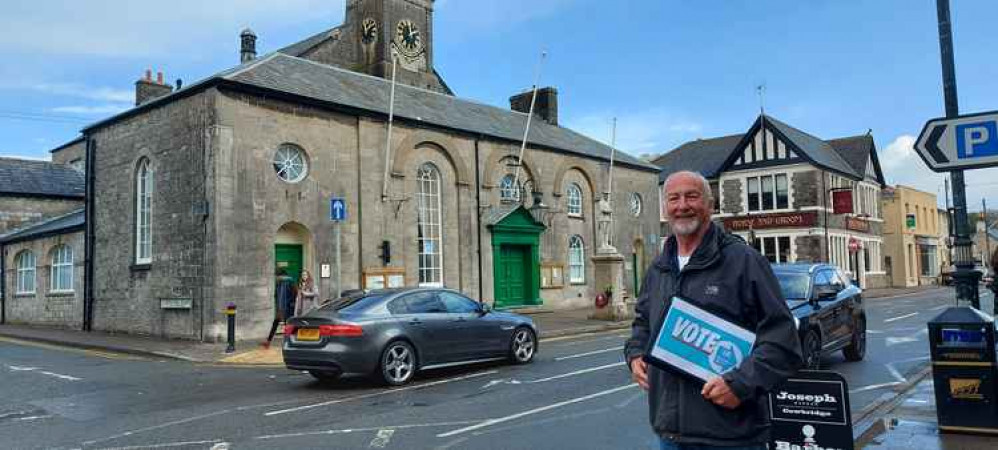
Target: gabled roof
(702,155)
(329,86)
(65,223)
(711,156)
(821,152)
(859,151)
(301,47)
(39,178)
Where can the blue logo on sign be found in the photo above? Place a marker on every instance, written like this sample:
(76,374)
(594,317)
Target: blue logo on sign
(976,140)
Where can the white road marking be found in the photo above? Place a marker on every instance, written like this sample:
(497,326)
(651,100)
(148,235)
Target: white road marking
(22,369)
(166,445)
(892,319)
(937,308)
(915,400)
(500,381)
(894,372)
(874,332)
(379,393)
(382,439)
(577,336)
(361,430)
(594,352)
(64,377)
(491,422)
(916,337)
(578,372)
(873,387)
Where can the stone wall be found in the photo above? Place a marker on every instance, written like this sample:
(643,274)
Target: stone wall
(731,202)
(70,153)
(807,189)
(127,296)
(810,248)
(18,212)
(45,307)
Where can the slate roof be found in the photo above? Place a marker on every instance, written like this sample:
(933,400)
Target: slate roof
(702,155)
(39,178)
(707,156)
(278,72)
(300,47)
(66,223)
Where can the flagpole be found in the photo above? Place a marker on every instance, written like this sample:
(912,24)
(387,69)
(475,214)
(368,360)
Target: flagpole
(526,131)
(391,120)
(609,194)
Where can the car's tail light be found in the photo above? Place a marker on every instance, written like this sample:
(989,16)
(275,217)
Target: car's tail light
(289,329)
(341,330)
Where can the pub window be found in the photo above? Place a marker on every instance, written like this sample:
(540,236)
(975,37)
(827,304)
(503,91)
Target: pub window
(768,192)
(775,248)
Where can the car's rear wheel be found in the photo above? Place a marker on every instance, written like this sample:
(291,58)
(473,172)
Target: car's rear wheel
(398,363)
(857,347)
(811,350)
(522,346)
(324,376)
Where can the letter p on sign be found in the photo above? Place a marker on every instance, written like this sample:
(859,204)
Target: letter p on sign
(975,140)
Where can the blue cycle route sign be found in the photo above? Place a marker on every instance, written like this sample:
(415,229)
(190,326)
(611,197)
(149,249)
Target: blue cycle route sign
(337,209)
(964,142)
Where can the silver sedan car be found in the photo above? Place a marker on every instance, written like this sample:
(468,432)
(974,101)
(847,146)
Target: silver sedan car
(394,333)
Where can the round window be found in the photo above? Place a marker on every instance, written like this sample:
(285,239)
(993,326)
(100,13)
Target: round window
(290,163)
(636,204)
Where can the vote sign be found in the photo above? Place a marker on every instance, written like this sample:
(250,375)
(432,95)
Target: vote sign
(810,411)
(698,343)
(964,142)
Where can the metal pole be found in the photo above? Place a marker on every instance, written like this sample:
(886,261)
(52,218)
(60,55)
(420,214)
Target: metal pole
(339,267)
(388,140)
(230,316)
(965,278)
(986,259)
(526,130)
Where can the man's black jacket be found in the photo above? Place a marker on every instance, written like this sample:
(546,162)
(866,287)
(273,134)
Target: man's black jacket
(733,281)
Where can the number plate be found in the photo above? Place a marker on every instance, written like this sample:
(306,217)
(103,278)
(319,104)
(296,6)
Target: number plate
(308,334)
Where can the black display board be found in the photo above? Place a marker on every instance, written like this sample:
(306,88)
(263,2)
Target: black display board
(810,412)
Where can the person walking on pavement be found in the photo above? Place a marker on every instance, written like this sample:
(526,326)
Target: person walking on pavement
(718,272)
(284,302)
(305,300)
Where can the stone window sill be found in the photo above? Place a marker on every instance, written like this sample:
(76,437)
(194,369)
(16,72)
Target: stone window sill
(576,216)
(24,295)
(62,294)
(140,267)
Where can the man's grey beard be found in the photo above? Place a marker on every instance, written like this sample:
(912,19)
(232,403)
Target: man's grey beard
(687,227)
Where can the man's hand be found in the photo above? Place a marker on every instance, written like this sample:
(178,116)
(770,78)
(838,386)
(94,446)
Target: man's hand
(639,372)
(718,391)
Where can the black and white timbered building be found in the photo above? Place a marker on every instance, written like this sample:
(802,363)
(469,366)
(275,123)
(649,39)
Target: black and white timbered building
(774,185)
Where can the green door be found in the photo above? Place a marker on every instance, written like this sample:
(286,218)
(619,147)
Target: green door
(288,256)
(513,260)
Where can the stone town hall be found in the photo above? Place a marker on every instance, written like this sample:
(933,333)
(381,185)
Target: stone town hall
(196,195)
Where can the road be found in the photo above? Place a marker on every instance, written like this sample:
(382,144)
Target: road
(576,394)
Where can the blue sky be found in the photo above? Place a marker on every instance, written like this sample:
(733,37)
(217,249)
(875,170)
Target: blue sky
(669,70)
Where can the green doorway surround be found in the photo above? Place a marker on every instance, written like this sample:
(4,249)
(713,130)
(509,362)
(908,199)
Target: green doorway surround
(290,257)
(516,264)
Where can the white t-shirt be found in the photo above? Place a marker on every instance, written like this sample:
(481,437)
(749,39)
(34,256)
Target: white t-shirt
(682,261)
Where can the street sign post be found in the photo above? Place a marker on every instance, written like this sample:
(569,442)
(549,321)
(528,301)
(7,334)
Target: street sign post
(337,214)
(958,143)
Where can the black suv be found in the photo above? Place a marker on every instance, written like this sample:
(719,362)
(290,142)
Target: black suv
(828,308)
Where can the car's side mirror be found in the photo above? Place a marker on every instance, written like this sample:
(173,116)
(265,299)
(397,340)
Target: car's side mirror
(484,308)
(825,292)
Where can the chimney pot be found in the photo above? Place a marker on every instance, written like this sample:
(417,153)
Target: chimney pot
(148,74)
(159,77)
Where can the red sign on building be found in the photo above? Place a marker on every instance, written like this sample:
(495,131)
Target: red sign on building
(842,201)
(855,224)
(795,220)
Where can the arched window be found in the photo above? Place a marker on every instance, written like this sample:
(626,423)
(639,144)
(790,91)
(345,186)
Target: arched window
(576,260)
(25,264)
(143,213)
(62,269)
(429,227)
(508,192)
(574,200)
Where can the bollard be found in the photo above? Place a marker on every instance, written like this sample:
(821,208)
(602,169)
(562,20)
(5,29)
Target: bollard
(230,314)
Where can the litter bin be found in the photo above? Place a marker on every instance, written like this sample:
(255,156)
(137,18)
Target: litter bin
(962,345)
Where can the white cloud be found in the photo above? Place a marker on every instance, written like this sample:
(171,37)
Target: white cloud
(902,165)
(142,28)
(653,131)
(80,91)
(91,110)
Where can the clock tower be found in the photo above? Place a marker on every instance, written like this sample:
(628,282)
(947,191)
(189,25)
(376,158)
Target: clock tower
(402,29)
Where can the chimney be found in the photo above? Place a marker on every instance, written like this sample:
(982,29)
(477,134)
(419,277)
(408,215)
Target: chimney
(147,90)
(247,50)
(546,106)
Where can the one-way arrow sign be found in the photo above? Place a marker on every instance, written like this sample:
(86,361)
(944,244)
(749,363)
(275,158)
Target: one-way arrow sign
(964,142)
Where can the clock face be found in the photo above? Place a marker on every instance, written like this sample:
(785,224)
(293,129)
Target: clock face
(408,38)
(635,204)
(369,31)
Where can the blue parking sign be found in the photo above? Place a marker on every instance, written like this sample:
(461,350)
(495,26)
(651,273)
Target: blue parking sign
(976,140)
